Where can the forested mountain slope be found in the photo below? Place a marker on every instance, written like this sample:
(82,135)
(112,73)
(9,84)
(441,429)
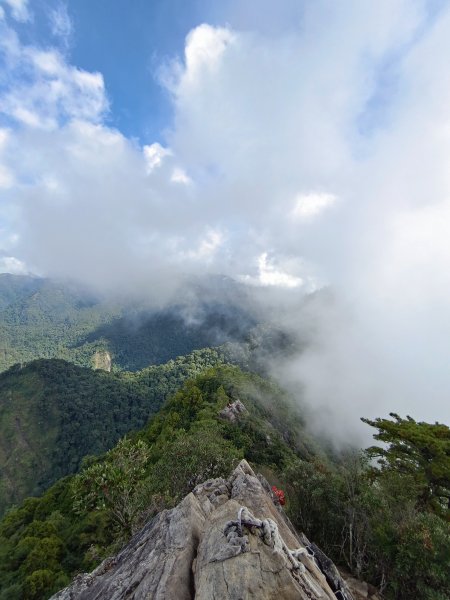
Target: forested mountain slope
(372,521)
(41,318)
(53,413)
(47,539)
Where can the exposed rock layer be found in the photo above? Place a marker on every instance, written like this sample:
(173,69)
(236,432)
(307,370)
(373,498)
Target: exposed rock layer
(211,548)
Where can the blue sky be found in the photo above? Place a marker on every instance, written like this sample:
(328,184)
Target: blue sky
(128,42)
(290,145)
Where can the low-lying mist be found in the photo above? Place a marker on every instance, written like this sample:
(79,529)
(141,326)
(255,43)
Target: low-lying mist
(308,163)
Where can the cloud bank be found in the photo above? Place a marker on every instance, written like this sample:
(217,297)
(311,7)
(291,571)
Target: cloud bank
(307,153)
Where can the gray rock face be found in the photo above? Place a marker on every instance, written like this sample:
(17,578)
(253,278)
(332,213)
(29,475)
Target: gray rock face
(233,411)
(225,541)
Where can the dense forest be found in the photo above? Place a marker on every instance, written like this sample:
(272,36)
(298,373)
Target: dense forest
(41,318)
(53,413)
(101,452)
(388,523)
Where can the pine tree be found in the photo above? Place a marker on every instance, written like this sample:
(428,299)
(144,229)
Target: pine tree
(420,450)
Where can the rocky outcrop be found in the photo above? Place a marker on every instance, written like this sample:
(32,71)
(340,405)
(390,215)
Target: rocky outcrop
(102,360)
(233,411)
(226,540)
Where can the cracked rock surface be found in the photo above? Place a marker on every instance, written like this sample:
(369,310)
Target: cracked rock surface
(183,553)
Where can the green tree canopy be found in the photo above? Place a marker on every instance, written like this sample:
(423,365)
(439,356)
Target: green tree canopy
(115,484)
(418,449)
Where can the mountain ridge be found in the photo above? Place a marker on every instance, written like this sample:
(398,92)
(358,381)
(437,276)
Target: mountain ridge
(370,520)
(226,539)
(43,318)
(53,413)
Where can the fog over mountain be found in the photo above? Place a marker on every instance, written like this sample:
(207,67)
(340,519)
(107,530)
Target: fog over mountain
(307,155)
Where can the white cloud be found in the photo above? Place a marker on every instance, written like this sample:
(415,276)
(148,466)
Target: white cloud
(258,117)
(19,9)
(46,62)
(278,114)
(205,46)
(61,23)
(154,155)
(28,117)
(10,264)
(270,275)
(180,176)
(308,206)
(207,246)
(42,90)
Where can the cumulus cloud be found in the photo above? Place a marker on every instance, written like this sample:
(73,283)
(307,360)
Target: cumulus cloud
(303,153)
(10,264)
(40,90)
(272,275)
(154,155)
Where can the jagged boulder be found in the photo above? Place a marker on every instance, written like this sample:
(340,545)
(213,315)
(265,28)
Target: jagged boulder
(226,541)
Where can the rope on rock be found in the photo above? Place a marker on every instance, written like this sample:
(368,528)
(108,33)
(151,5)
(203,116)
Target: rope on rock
(267,530)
